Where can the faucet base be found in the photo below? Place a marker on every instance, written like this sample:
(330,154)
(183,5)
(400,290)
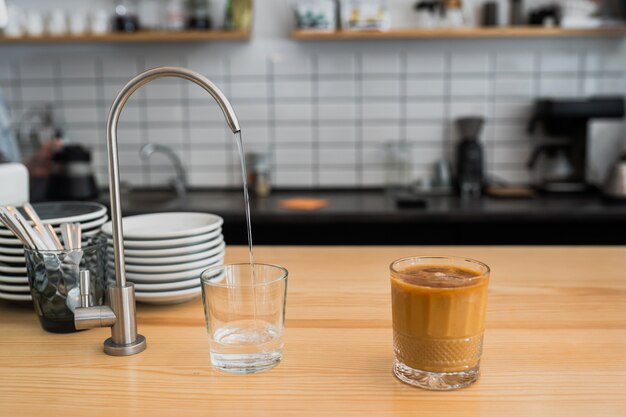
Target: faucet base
(113,349)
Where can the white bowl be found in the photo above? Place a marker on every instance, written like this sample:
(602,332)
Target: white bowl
(161,269)
(183,250)
(171,260)
(15,297)
(169,243)
(159,226)
(168,297)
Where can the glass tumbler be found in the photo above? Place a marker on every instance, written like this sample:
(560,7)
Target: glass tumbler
(53,277)
(244,307)
(438,309)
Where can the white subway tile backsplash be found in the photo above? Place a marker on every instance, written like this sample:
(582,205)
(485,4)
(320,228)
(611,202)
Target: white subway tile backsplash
(293,111)
(562,62)
(425,133)
(77,68)
(341,155)
(290,64)
(425,110)
(469,87)
(605,62)
(335,134)
(381,133)
(172,137)
(428,87)
(291,178)
(468,108)
(322,112)
(81,115)
(206,158)
(334,177)
(380,88)
(516,62)
(301,156)
(373,177)
(164,114)
(558,87)
(337,64)
(80,92)
(335,111)
(38,94)
(294,134)
(518,87)
(381,63)
(38,69)
(428,63)
(243,89)
(247,113)
(381,111)
(336,88)
(213,178)
(466,63)
(513,110)
(210,135)
(609,85)
(292,89)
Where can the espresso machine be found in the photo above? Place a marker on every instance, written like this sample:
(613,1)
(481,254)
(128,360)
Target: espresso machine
(559,161)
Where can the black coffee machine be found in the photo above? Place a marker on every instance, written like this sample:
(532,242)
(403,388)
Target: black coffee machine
(564,155)
(469,157)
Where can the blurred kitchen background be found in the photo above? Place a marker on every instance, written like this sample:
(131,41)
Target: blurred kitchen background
(431,133)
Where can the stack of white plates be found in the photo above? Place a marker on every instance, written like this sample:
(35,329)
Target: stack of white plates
(13,278)
(165,254)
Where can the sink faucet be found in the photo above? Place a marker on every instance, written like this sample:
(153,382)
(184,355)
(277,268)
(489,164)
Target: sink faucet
(179,182)
(121,316)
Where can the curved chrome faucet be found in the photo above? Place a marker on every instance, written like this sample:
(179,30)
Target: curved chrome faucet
(179,182)
(124,338)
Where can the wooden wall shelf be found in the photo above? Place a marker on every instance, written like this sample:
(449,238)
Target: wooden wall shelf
(503,32)
(142,36)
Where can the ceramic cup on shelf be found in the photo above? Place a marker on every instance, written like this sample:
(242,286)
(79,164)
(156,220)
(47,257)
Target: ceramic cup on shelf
(57,23)
(78,23)
(34,23)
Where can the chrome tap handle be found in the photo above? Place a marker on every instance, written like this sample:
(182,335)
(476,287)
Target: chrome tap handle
(84,286)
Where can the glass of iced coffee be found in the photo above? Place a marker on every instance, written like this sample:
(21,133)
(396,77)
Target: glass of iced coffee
(438,307)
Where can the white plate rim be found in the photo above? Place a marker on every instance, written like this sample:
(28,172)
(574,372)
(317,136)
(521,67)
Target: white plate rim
(15,297)
(102,210)
(216,222)
(194,248)
(175,293)
(12,259)
(174,276)
(14,280)
(13,270)
(173,260)
(14,288)
(167,286)
(11,251)
(162,269)
(169,243)
(86,227)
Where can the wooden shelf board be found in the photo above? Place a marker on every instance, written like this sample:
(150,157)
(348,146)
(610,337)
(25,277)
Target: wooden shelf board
(142,36)
(504,32)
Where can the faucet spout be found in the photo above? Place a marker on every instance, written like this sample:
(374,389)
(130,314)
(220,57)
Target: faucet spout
(180,180)
(124,339)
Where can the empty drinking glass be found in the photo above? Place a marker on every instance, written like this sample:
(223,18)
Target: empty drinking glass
(244,307)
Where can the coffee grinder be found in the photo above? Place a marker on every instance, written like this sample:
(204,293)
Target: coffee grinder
(564,154)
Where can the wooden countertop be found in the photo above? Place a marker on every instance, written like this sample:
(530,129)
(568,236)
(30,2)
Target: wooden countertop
(555,346)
